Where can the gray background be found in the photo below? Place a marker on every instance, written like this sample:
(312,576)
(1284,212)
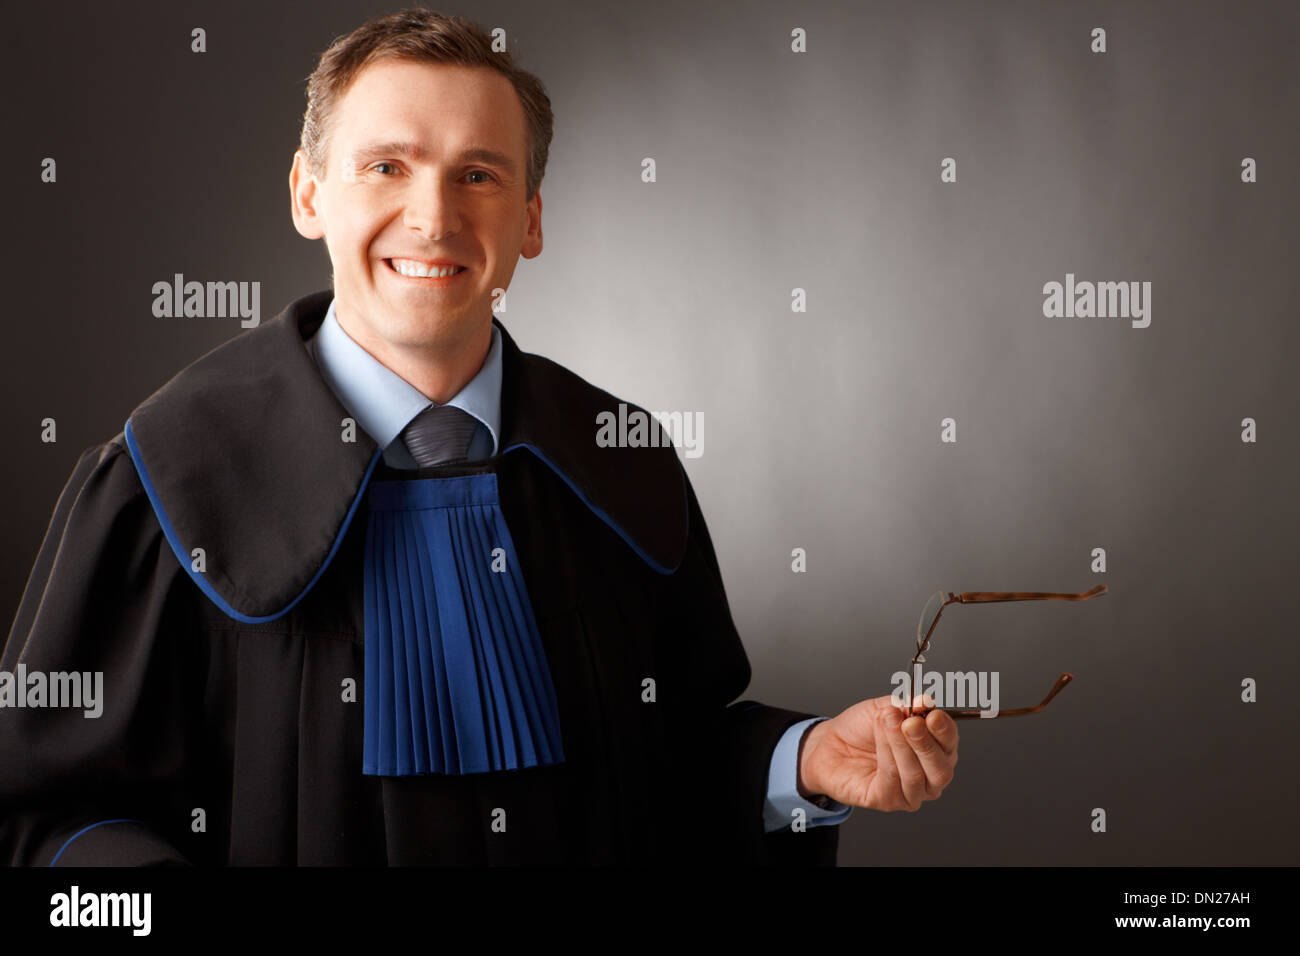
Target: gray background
(820,171)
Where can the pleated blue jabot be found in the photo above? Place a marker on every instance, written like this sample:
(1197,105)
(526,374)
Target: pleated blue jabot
(456,675)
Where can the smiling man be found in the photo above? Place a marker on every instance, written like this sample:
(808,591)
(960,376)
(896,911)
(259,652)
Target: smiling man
(423,213)
(364,588)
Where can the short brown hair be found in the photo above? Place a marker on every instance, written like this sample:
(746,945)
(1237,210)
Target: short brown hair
(420,35)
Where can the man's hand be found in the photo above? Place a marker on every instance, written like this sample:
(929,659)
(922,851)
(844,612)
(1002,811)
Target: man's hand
(869,757)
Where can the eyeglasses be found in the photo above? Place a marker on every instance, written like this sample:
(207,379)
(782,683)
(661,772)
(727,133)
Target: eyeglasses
(930,617)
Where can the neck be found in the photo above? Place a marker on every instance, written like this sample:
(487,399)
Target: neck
(439,371)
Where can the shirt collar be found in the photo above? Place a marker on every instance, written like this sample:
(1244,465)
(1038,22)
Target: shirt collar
(383,402)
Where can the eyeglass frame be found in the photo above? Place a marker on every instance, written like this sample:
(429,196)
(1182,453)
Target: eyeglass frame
(988,597)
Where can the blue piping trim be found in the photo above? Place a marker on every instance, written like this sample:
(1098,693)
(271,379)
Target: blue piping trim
(183,555)
(83,830)
(598,512)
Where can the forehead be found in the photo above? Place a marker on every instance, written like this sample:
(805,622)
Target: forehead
(430,103)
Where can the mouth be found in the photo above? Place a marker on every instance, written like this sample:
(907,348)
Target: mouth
(414,269)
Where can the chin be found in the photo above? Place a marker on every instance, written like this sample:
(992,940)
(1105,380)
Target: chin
(425,332)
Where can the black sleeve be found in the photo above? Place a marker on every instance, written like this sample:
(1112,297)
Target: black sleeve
(729,744)
(79,789)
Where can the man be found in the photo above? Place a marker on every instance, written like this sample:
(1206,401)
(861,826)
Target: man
(362,586)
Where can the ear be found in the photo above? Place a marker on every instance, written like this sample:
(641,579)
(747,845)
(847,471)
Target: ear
(304,193)
(532,246)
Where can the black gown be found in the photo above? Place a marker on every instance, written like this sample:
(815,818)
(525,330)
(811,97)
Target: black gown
(228,733)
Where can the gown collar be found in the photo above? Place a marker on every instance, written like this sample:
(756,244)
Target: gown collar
(255,475)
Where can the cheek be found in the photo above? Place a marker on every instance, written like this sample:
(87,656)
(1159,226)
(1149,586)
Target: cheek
(357,228)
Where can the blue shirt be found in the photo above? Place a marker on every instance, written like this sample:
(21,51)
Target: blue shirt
(383,403)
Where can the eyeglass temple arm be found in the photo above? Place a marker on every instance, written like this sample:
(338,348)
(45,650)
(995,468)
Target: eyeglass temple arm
(985,597)
(1019,711)
(988,597)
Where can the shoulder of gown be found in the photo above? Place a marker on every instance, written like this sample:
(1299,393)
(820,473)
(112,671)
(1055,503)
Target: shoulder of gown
(248,455)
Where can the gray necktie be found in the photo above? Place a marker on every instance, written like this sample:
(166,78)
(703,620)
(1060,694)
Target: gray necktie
(439,433)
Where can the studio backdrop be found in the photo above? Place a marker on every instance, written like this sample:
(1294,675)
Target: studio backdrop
(938,296)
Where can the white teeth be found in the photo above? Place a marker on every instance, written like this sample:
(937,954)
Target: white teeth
(409,267)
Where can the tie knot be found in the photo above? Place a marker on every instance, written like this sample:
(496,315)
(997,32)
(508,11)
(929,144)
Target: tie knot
(439,433)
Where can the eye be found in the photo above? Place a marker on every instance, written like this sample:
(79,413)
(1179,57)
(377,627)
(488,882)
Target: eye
(480,172)
(377,165)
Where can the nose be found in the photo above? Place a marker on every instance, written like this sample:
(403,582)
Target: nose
(431,209)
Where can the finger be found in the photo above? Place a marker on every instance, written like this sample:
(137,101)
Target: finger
(922,703)
(911,774)
(886,768)
(935,763)
(944,729)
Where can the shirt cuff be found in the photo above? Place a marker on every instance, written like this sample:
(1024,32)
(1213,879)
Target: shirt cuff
(783,790)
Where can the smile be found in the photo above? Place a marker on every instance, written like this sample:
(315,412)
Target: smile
(412,269)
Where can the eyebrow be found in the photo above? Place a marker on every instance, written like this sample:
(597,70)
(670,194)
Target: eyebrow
(473,154)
